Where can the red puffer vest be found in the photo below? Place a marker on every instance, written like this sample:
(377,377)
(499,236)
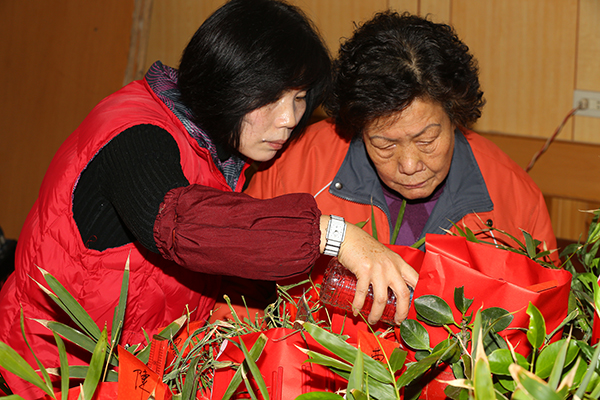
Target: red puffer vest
(159,290)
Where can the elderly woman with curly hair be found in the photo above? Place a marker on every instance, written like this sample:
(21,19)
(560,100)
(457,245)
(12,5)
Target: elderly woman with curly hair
(405,91)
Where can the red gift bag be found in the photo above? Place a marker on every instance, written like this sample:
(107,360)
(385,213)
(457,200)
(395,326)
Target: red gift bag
(493,278)
(282,366)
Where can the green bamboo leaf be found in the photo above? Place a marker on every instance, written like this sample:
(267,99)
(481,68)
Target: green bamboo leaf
(254,369)
(415,370)
(358,395)
(397,359)
(361,224)
(596,298)
(470,235)
(398,221)
(191,382)
(501,359)
(119,316)
(12,397)
(356,375)
(74,336)
(434,310)
(254,353)
(537,327)
(319,396)
(414,335)
(476,335)
(347,352)
(14,363)
(460,301)
(39,364)
(529,244)
(588,375)
(377,390)
(482,381)
(64,366)
(532,385)
(171,330)
(80,372)
(77,313)
(96,367)
(374,228)
(321,359)
(555,356)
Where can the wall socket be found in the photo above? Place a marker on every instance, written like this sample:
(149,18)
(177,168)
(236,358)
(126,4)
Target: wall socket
(589,101)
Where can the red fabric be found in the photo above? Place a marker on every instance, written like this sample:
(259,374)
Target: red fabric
(282,366)
(159,290)
(493,278)
(196,239)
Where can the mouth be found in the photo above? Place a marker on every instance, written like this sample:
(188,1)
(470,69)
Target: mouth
(276,144)
(414,186)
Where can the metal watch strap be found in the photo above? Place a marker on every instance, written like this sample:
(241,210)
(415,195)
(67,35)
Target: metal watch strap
(336,231)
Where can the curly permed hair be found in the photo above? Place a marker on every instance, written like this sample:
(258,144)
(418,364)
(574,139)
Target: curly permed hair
(394,59)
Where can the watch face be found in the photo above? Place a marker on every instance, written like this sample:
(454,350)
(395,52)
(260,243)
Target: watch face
(337,231)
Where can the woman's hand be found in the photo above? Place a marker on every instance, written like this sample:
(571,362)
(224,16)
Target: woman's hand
(375,264)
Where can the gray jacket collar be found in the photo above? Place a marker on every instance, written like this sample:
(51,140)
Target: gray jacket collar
(465,191)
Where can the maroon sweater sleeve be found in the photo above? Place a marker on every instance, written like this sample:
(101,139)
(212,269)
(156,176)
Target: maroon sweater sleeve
(229,233)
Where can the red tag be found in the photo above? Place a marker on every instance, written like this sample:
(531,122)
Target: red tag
(137,381)
(376,347)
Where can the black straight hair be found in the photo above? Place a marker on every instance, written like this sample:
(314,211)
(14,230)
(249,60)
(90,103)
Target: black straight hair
(245,56)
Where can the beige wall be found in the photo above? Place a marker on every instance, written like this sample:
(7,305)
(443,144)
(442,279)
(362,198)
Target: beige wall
(532,55)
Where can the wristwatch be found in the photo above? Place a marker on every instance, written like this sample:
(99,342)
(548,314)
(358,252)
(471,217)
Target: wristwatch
(336,231)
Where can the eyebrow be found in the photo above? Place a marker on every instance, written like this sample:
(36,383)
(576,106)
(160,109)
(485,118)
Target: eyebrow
(416,135)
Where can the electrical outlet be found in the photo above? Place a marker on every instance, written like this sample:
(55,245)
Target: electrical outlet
(588,101)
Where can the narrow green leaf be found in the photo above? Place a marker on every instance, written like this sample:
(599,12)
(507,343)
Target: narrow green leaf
(415,370)
(414,335)
(532,385)
(319,396)
(254,369)
(171,330)
(476,335)
(321,359)
(588,375)
(12,397)
(119,316)
(373,221)
(74,336)
(64,366)
(14,363)
(254,353)
(96,367)
(434,309)
(191,382)
(78,314)
(398,221)
(356,375)
(377,389)
(39,364)
(482,381)
(529,244)
(537,327)
(347,352)
(397,359)
(80,372)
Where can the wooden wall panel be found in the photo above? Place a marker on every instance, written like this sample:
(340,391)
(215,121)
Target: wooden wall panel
(587,129)
(58,60)
(526,52)
(172,26)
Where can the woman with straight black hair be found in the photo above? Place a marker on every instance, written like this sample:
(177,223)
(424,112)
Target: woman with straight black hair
(152,179)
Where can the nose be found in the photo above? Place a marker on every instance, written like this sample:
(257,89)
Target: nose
(409,161)
(288,113)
